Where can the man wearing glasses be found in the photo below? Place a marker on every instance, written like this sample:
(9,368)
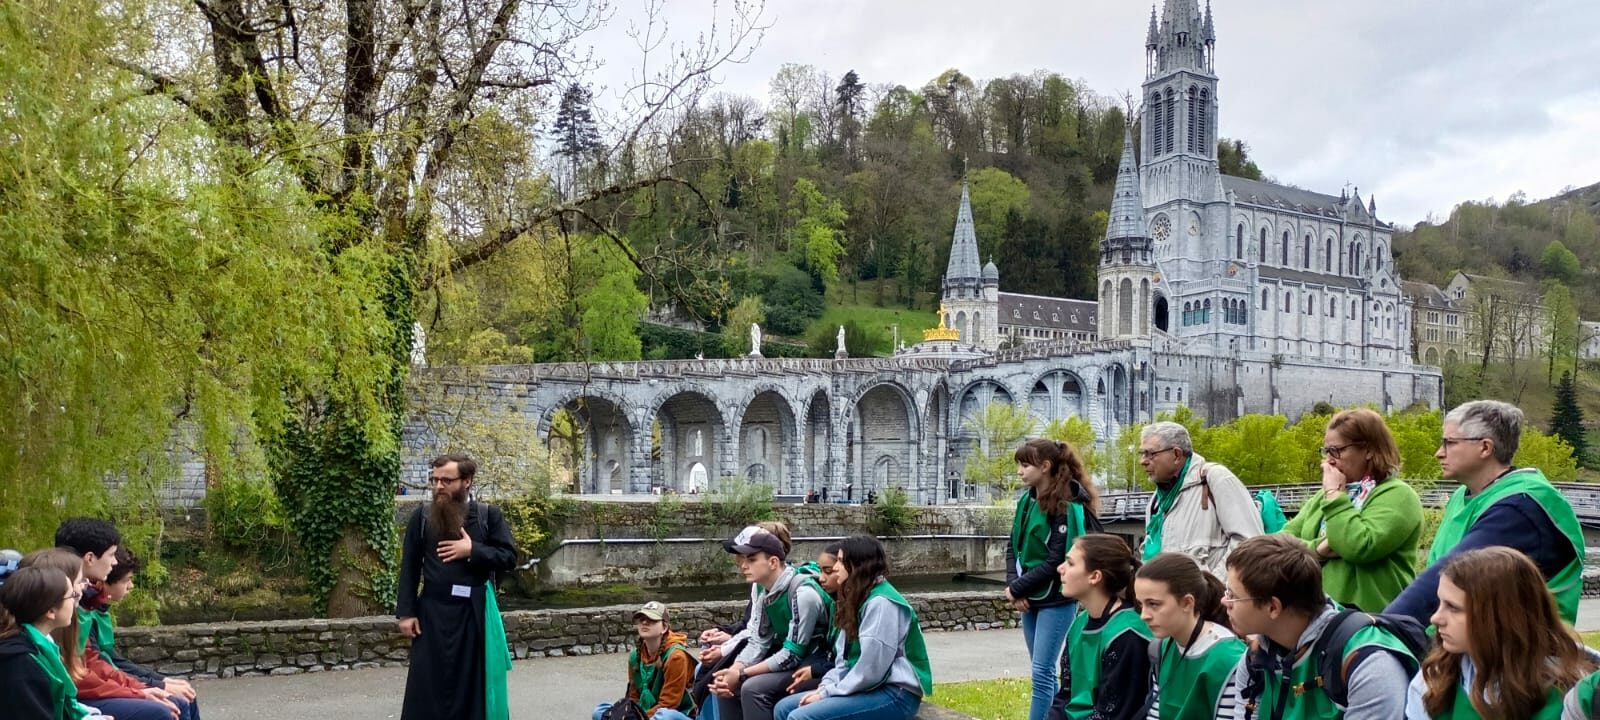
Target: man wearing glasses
(1498,505)
(1200,508)
(446,605)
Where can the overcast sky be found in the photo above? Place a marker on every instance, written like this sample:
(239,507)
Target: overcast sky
(1425,104)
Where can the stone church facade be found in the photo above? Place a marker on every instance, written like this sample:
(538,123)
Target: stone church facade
(1244,289)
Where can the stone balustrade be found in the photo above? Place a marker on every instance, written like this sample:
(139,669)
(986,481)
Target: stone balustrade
(291,647)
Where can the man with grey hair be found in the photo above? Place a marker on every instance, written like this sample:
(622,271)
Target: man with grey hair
(1497,505)
(1200,508)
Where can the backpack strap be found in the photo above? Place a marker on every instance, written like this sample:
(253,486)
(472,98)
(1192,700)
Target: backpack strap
(1328,651)
(1205,487)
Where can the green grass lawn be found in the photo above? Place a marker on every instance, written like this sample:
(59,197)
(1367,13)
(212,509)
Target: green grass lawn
(1005,699)
(877,320)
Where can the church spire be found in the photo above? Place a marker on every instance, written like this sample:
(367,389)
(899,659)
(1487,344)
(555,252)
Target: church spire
(964,265)
(1126,224)
(1185,37)
(1152,39)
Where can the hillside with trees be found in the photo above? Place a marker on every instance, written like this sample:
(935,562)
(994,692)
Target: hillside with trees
(835,195)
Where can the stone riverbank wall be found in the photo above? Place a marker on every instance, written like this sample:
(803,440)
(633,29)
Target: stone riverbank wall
(292,647)
(678,543)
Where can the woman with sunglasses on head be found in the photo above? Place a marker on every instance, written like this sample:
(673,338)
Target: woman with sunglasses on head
(1366,522)
(1502,649)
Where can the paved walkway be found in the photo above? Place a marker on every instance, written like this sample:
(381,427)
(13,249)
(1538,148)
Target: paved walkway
(543,688)
(559,688)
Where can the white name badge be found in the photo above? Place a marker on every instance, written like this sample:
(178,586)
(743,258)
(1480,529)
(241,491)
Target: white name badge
(461,590)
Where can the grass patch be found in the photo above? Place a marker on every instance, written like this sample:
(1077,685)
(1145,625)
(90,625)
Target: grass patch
(1591,638)
(878,320)
(1004,699)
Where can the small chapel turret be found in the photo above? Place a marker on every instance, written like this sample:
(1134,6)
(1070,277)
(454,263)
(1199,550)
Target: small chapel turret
(1127,262)
(970,292)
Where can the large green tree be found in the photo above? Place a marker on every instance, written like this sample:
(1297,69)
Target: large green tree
(364,108)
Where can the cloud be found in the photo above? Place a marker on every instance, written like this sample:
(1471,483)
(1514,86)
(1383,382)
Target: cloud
(1426,103)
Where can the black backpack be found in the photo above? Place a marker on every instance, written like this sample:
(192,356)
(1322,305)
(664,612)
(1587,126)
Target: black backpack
(1328,654)
(624,709)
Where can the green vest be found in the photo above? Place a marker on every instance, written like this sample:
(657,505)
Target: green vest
(915,650)
(1307,701)
(780,611)
(647,678)
(1584,690)
(1030,536)
(1085,662)
(63,692)
(1462,708)
(1462,512)
(96,625)
(1192,686)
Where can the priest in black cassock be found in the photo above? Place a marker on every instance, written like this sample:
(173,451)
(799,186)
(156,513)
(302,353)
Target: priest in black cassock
(452,548)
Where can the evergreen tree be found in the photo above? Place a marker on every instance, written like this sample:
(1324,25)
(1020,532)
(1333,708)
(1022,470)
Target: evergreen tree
(1567,421)
(575,130)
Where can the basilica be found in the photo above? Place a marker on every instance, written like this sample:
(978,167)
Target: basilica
(1221,277)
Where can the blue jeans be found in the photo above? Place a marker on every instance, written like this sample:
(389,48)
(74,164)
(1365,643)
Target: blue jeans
(1045,631)
(890,702)
(140,709)
(662,714)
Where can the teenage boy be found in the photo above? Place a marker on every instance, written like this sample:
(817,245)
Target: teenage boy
(96,542)
(96,622)
(790,619)
(660,669)
(1274,591)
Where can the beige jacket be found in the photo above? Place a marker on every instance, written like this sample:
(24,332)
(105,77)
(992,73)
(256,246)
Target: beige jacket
(1208,525)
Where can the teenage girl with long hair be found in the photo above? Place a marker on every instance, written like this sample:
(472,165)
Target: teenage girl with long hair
(881,668)
(100,684)
(34,602)
(1058,504)
(1502,650)
(1197,651)
(1107,670)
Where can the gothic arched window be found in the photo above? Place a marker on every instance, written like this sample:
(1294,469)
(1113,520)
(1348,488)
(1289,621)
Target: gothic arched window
(1305,254)
(1285,262)
(1172,120)
(1327,256)
(1264,300)
(1262,256)
(1158,126)
(1238,242)
(1194,120)
(1204,147)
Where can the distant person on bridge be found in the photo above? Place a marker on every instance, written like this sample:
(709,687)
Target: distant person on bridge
(1058,504)
(1199,508)
(1366,522)
(451,549)
(1498,505)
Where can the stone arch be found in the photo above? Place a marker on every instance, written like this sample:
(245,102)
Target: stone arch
(961,326)
(937,449)
(1163,319)
(1430,356)
(818,440)
(692,432)
(975,395)
(1450,357)
(600,452)
(767,435)
(1057,394)
(884,424)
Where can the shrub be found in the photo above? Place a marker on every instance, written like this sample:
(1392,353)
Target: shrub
(737,502)
(893,514)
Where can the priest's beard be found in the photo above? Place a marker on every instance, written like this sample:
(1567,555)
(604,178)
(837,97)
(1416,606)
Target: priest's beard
(447,514)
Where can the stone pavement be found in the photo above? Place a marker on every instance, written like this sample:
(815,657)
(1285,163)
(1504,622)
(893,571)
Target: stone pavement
(570,687)
(540,688)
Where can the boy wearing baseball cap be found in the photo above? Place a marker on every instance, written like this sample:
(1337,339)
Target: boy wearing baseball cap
(659,668)
(792,617)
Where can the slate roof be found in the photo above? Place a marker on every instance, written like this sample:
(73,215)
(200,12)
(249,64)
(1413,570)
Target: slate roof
(964,263)
(1274,196)
(1426,295)
(1070,315)
(1308,277)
